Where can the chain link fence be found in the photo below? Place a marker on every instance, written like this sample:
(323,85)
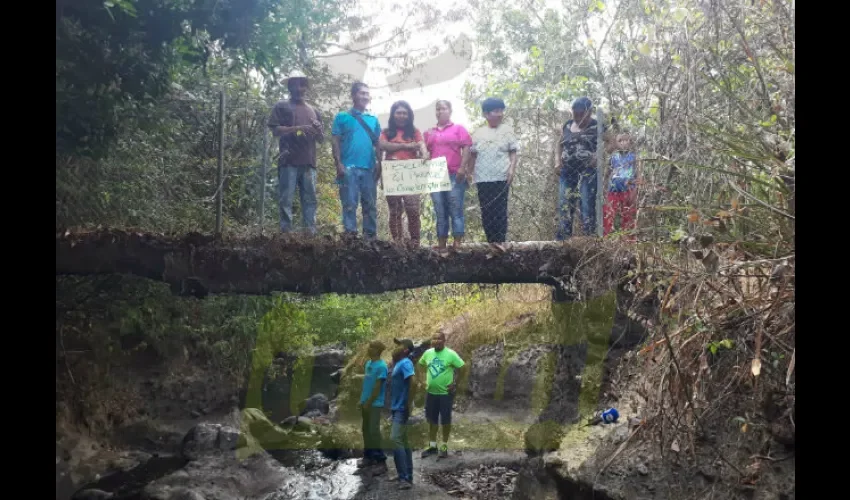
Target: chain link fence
(164,177)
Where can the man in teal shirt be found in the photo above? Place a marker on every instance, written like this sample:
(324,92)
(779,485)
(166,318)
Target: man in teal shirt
(358,161)
(370,405)
(441,384)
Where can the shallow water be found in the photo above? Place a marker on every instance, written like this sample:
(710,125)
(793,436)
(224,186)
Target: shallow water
(332,481)
(312,477)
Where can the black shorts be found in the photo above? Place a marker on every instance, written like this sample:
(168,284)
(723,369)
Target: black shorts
(438,405)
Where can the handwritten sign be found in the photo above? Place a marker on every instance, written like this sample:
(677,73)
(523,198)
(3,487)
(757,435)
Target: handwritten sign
(415,176)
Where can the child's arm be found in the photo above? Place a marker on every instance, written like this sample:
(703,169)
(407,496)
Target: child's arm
(635,181)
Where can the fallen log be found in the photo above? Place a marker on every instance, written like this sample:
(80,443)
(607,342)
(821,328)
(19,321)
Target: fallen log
(197,265)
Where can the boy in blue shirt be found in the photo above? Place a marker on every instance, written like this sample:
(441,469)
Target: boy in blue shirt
(401,403)
(358,162)
(370,405)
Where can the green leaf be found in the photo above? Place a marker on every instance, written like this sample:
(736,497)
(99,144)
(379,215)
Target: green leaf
(644,48)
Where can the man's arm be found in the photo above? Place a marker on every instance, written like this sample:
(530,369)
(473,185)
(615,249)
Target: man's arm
(377,146)
(280,117)
(282,130)
(319,127)
(408,379)
(335,149)
(456,376)
(409,402)
(378,162)
(460,366)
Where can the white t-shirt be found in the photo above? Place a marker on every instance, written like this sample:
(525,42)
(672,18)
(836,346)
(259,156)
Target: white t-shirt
(492,147)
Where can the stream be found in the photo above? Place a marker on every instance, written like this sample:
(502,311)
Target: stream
(307,475)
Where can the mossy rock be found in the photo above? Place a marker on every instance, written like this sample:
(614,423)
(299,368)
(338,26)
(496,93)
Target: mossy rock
(543,437)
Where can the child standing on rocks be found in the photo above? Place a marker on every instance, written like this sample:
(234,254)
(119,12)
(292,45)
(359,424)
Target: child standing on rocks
(370,405)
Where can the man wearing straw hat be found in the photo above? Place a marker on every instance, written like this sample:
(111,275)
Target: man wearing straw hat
(299,127)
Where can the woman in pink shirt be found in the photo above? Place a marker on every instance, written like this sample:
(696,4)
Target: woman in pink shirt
(449,140)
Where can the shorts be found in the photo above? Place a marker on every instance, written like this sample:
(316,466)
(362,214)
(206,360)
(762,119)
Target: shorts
(438,405)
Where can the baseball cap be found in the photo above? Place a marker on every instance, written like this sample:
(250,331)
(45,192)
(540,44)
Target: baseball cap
(582,103)
(405,342)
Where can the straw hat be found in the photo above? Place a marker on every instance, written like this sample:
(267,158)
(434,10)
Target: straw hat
(294,74)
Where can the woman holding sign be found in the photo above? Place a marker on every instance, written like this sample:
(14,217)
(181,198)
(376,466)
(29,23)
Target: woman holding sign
(449,140)
(402,141)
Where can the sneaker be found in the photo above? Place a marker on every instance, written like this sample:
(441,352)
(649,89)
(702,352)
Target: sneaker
(428,452)
(444,452)
(393,479)
(404,485)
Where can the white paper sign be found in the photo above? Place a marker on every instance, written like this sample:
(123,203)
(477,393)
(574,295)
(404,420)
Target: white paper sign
(415,176)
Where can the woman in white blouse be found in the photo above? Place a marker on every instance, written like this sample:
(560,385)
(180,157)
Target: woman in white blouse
(492,166)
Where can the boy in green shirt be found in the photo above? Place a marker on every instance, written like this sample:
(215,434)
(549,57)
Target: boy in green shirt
(441,384)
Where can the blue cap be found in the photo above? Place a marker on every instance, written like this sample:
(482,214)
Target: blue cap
(582,103)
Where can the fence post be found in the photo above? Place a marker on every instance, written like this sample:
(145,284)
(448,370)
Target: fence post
(600,169)
(219,194)
(263,179)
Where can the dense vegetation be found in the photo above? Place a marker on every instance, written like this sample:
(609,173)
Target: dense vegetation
(707,87)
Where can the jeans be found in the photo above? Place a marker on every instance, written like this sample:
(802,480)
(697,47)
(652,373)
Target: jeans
(493,199)
(450,204)
(304,178)
(372,434)
(359,186)
(402,452)
(581,187)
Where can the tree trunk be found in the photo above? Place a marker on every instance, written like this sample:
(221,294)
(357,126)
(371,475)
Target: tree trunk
(197,264)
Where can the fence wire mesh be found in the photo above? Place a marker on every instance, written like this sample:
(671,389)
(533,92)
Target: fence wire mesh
(164,179)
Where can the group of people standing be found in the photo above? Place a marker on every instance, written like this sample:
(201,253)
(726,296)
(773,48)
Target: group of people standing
(383,384)
(487,157)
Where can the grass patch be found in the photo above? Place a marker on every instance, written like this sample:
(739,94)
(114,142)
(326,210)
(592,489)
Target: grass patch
(520,316)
